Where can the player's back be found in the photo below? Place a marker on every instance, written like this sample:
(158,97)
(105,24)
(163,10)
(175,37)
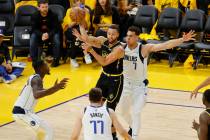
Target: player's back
(97,123)
(26,99)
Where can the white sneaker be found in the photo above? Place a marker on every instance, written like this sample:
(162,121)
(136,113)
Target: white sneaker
(74,63)
(88,59)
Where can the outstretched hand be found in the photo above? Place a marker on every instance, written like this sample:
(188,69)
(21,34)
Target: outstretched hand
(194,93)
(86,47)
(78,35)
(195,125)
(189,36)
(62,83)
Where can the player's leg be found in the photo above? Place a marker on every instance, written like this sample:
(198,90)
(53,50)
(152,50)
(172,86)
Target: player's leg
(139,100)
(44,131)
(36,124)
(124,105)
(114,91)
(114,94)
(27,121)
(103,84)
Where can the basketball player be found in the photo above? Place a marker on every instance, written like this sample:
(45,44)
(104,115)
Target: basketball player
(109,54)
(23,111)
(134,92)
(97,120)
(203,84)
(203,127)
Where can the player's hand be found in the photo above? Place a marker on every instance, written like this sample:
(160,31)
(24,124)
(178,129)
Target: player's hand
(189,36)
(78,35)
(61,84)
(194,93)
(86,47)
(195,125)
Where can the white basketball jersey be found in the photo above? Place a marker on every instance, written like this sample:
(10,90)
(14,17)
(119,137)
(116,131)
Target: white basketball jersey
(97,123)
(26,99)
(134,68)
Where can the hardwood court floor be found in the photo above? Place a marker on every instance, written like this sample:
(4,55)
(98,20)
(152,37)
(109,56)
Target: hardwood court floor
(167,116)
(85,77)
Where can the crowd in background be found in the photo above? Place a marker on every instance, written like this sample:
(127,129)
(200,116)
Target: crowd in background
(99,15)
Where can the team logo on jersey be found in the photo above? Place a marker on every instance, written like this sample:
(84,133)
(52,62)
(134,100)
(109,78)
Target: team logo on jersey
(104,53)
(130,58)
(111,96)
(33,123)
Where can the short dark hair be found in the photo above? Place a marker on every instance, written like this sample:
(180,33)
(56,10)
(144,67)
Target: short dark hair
(134,29)
(42,2)
(95,95)
(206,95)
(37,65)
(116,27)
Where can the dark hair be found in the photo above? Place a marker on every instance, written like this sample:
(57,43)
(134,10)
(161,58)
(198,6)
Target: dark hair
(99,11)
(116,27)
(134,29)
(95,95)
(37,65)
(206,95)
(42,2)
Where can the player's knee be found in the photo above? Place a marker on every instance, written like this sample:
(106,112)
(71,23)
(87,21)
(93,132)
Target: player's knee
(137,113)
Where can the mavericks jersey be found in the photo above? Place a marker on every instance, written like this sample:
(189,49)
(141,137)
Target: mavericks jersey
(97,123)
(26,99)
(134,65)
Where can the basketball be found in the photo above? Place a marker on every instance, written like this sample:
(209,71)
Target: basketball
(77,14)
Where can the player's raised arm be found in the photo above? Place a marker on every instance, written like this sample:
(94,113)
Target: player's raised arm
(39,92)
(118,126)
(93,41)
(203,84)
(168,44)
(117,53)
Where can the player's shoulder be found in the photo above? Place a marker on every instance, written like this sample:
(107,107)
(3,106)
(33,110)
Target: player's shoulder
(204,116)
(35,78)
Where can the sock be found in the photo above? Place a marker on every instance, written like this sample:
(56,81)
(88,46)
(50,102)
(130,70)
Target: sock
(130,131)
(114,135)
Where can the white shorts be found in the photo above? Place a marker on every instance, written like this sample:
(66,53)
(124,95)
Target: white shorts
(134,95)
(133,98)
(33,121)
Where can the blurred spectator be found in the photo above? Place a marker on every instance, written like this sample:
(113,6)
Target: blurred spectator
(45,28)
(104,15)
(125,19)
(7,73)
(143,2)
(186,5)
(161,4)
(203,5)
(72,21)
(91,4)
